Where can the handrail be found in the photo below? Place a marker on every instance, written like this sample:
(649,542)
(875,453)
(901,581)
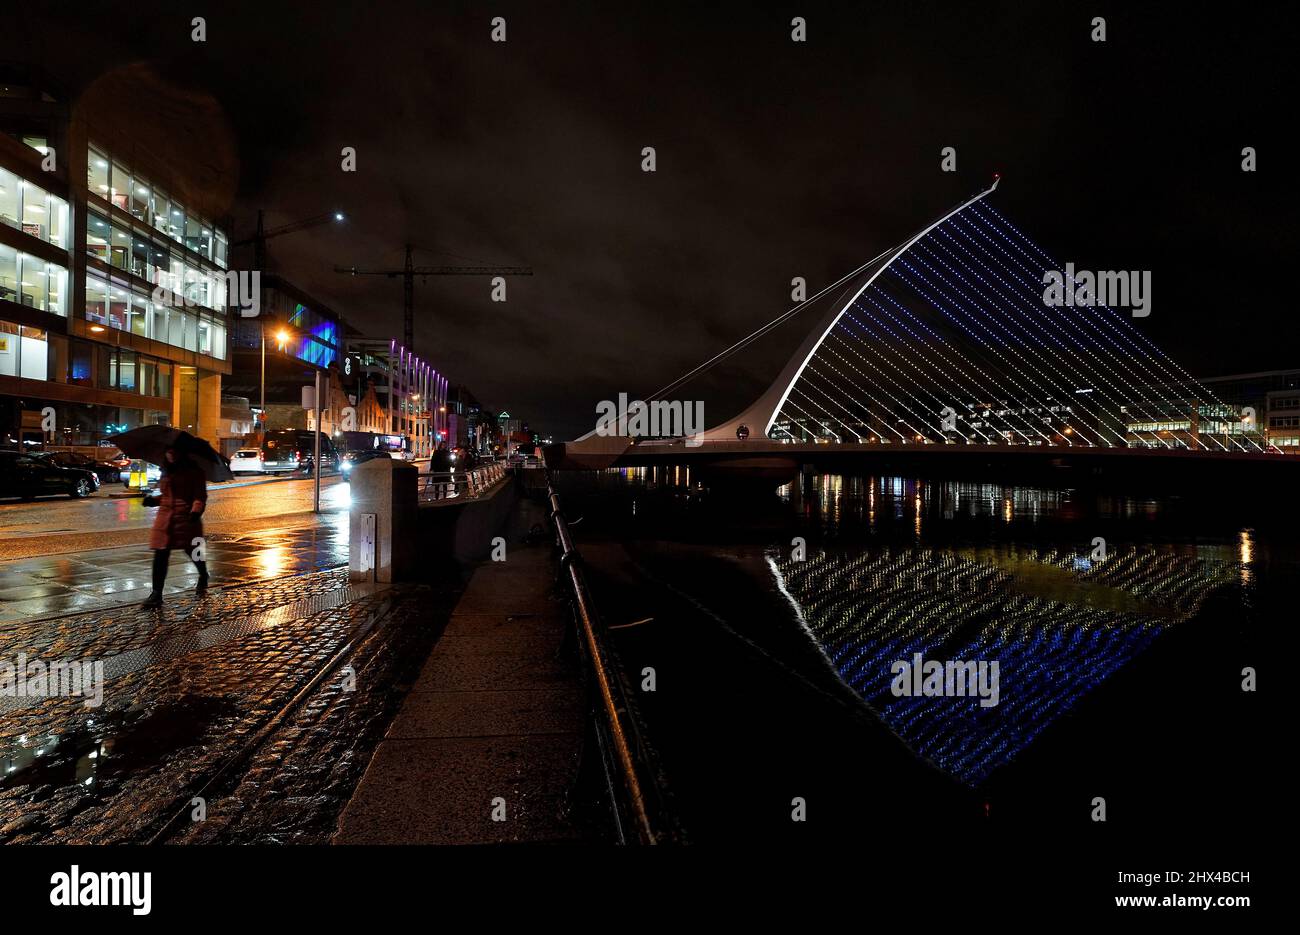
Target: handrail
(450,485)
(641,799)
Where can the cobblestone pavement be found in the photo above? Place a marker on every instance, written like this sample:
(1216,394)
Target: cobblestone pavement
(298,782)
(43,586)
(186,690)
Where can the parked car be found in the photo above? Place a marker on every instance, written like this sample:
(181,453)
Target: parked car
(287,450)
(114,456)
(247,461)
(352,458)
(108,472)
(26,476)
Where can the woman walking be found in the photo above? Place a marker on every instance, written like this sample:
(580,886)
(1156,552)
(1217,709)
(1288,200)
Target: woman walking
(183,494)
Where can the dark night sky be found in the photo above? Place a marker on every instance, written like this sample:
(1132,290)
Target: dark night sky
(775,159)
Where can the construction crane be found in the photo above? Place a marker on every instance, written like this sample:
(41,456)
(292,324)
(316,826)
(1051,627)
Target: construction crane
(408,273)
(259,239)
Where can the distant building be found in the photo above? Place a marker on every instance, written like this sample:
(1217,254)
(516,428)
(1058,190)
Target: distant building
(1282,419)
(464,415)
(411,393)
(1237,410)
(298,336)
(1250,391)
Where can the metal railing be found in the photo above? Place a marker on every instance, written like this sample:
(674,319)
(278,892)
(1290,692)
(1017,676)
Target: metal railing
(635,781)
(452,485)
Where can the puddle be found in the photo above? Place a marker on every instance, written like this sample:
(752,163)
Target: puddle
(114,745)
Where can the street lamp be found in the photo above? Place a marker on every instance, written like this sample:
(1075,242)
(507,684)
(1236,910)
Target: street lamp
(282,338)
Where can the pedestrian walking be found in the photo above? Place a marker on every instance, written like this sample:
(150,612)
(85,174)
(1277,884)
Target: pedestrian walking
(182,497)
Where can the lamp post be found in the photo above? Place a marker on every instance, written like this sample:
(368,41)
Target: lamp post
(282,338)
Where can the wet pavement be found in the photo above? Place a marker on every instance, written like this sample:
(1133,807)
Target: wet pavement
(263,698)
(60,525)
(250,713)
(42,586)
(487,746)
(181,688)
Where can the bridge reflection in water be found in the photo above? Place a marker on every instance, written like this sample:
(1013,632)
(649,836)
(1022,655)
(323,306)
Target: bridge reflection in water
(1057,622)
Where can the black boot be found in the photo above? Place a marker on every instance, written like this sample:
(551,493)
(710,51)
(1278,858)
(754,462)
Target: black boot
(203,576)
(159,577)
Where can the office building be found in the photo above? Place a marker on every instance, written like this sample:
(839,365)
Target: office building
(113,276)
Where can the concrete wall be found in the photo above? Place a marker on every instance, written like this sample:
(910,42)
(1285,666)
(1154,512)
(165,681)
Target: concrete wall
(410,536)
(462,530)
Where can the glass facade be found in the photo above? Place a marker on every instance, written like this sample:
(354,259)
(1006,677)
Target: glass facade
(133,194)
(117,304)
(31,209)
(135,252)
(33,282)
(35,354)
(24,352)
(163,265)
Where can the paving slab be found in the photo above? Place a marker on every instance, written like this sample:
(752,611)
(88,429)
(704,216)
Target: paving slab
(442,791)
(472,713)
(496,716)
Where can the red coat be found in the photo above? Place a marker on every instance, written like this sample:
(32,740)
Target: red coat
(184,494)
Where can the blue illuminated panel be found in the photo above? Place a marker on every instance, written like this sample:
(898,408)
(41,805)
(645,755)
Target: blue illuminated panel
(318,344)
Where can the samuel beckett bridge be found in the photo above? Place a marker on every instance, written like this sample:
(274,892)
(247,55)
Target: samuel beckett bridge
(951,344)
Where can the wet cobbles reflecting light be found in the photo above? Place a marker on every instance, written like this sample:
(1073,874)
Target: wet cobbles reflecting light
(82,581)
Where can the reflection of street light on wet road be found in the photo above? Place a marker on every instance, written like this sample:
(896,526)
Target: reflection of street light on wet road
(272,562)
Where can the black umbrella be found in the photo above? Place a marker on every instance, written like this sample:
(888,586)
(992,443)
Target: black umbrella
(150,442)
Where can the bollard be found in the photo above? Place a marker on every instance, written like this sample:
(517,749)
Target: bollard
(383,549)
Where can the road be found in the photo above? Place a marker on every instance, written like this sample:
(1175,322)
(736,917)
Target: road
(53,525)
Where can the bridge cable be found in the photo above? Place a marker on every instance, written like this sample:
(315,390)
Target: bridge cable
(774,323)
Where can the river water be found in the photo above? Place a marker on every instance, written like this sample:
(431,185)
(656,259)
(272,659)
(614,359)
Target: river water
(1116,630)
